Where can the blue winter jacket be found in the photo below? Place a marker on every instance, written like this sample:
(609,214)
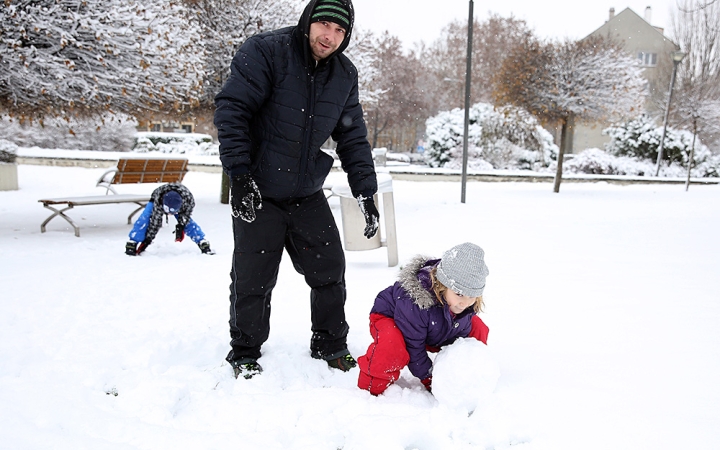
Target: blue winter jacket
(421,318)
(150,220)
(278,107)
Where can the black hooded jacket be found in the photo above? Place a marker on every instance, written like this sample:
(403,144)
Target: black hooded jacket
(278,107)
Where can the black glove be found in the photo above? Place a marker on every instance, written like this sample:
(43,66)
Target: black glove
(244,197)
(131,248)
(372,216)
(179,233)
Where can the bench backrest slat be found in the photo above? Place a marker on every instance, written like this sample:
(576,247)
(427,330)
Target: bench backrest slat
(150,171)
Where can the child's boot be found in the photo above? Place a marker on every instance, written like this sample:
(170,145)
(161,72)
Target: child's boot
(205,247)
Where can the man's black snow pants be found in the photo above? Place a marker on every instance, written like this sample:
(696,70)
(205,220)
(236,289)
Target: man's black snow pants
(306,228)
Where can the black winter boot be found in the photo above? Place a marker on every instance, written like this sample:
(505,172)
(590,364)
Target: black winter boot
(247,369)
(343,363)
(131,248)
(342,360)
(205,247)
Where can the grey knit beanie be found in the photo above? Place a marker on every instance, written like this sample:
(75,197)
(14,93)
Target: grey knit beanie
(463,269)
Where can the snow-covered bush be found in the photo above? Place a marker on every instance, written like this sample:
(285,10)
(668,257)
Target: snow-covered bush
(406,157)
(182,143)
(500,138)
(8,151)
(708,168)
(107,132)
(599,162)
(640,138)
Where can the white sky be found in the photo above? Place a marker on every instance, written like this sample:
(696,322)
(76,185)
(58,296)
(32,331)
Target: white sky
(423,20)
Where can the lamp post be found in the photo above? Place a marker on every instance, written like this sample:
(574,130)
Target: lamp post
(677,56)
(468,77)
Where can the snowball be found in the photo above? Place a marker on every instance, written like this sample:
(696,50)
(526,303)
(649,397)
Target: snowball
(464,375)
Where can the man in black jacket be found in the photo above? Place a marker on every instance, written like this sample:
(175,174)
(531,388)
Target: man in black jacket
(289,91)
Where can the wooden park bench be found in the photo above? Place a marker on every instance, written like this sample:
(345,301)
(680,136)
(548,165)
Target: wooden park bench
(133,171)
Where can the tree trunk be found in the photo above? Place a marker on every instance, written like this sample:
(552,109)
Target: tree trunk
(692,154)
(225,189)
(566,142)
(375,131)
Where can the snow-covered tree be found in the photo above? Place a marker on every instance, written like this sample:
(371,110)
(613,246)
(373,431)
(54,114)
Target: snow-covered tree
(100,132)
(225,25)
(363,52)
(499,138)
(388,83)
(61,57)
(445,59)
(566,82)
(696,98)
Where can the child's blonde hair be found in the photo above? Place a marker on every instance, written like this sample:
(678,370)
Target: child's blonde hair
(440,289)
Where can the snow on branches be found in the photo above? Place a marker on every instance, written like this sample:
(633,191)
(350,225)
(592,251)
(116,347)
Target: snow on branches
(498,138)
(78,56)
(591,79)
(226,24)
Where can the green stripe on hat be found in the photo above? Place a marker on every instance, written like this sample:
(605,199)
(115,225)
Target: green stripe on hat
(332,10)
(330,14)
(336,8)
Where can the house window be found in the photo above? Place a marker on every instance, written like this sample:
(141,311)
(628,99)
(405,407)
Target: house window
(647,59)
(155,127)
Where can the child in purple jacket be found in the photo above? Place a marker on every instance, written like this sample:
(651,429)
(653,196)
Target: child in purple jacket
(434,302)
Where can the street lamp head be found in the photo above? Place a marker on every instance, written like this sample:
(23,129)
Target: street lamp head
(677,56)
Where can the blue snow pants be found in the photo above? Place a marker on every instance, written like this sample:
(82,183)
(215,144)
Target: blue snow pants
(137,234)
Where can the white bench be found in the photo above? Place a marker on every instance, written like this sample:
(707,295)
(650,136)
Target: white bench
(71,202)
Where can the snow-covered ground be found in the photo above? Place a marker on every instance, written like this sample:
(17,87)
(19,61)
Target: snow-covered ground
(602,304)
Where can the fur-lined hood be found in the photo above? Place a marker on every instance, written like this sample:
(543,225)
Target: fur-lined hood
(414,277)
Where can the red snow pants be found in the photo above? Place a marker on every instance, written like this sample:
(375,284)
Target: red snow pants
(380,366)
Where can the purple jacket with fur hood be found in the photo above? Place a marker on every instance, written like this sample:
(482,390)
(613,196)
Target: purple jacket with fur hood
(421,318)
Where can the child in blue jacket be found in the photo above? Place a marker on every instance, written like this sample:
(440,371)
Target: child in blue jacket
(434,302)
(169,199)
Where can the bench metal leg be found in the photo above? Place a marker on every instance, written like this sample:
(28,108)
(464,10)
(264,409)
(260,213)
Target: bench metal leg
(142,206)
(59,212)
(391,234)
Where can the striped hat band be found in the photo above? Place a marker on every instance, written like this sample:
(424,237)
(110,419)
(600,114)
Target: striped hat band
(331,11)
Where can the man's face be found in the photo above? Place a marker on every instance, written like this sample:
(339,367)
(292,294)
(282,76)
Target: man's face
(325,38)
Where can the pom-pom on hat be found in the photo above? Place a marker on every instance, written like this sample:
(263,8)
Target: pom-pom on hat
(171,202)
(463,269)
(333,11)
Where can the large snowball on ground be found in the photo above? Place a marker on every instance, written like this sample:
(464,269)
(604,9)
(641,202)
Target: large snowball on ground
(464,375)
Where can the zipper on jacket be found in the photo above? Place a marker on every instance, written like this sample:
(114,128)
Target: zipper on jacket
(305,151)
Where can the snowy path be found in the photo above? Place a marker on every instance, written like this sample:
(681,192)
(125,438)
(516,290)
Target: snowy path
(602,303)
